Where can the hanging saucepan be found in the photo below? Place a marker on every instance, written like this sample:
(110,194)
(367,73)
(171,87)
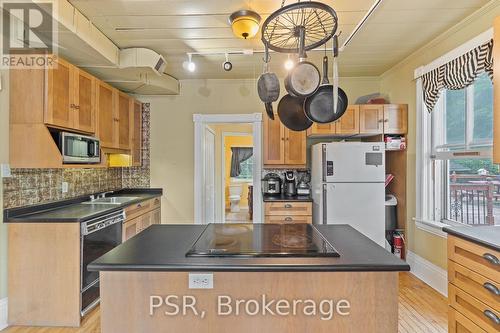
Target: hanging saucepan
(291,113)
(268,86)
(304,79)
(320,107)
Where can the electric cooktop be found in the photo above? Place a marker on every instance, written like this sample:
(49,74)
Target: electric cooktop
(261,240)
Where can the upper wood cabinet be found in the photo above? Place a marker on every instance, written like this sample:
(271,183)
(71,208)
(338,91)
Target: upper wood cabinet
(395,119)
(283,147)
(137,133)
(125,120)
(107,124)
(318,129)
(70,98)
(371,119)
(348,124)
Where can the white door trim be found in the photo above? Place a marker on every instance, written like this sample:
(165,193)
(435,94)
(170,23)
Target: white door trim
(212,132)
(200,121)
(3,313)
(223,169)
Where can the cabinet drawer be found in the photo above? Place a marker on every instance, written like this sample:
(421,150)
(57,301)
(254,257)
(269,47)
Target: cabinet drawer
(475,284)
(288,219)
(472,308)
(475,257)
(138,209)
(457,323)
(288,208)
(155,202)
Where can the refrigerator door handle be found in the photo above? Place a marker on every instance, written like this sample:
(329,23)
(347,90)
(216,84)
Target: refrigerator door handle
(323,161)
(325,200)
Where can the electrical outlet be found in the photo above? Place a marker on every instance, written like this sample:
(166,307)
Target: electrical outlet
(201,281)
(65,187)
(6,171)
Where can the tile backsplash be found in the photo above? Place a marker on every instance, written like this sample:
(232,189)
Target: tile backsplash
(36,186)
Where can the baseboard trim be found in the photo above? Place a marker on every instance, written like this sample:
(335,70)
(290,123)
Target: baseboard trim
(3,313)
(433,275)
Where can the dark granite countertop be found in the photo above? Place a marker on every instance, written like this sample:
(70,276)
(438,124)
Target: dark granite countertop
(74,210)
(488,236)
(283,198)
(164,247)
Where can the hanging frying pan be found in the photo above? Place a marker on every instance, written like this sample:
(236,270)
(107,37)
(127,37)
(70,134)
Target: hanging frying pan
(320,107)
(304,79)
(291,113)
(268,87)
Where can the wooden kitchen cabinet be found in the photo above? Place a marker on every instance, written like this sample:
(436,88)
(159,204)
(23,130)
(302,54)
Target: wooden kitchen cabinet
(371,119)
(107,124)
(318,129)
(395,118)
(348,124)
(288,212)
(70,98)
(136,132)
(140,216)
(125,121)
(283,147)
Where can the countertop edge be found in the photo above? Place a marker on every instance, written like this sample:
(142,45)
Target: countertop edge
(471,238)
(152,192)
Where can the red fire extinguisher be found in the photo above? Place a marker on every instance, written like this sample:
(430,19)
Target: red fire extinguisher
(398,241)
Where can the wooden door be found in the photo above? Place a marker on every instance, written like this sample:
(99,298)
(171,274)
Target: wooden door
(130,228)
(321,129)
(395,119)
(274,141)
(146,221)
(156,216)
(137,134)
(124,121)
(107,119)
(348,124)
(371,119)
(295,147)
(60,109)
(84,101)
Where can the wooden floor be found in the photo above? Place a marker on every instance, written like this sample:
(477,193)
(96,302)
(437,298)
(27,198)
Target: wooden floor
(421,310)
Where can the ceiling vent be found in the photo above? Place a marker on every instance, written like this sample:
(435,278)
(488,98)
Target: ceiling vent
(142,57)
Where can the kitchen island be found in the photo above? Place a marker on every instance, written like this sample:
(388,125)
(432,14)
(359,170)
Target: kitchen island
(149,284)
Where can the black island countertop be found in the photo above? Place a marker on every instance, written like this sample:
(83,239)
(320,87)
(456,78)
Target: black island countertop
(164,248)
(73,210)
(488,236)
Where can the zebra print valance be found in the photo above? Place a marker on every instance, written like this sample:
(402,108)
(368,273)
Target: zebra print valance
(458,73)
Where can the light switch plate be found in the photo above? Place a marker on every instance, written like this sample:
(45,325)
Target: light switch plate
(6,171)
(201,281)
(65,187)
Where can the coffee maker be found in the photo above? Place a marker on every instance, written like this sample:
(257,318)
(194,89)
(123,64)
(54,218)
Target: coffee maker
(290,188)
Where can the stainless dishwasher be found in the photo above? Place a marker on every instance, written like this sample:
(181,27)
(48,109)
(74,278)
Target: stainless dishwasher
(98,236)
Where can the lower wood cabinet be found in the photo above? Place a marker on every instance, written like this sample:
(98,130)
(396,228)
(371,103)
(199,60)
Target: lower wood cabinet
(288,212)
(473,284)
(140,216)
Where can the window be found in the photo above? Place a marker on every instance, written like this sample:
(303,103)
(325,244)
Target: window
(246,170)
(464,183)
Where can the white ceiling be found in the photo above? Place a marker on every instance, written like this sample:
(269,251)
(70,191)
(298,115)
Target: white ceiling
(174,27)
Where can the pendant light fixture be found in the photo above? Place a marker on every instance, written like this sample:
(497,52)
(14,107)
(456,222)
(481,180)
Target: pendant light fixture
(245,23)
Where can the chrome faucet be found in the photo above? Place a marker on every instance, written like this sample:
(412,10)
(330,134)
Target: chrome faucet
(104,194)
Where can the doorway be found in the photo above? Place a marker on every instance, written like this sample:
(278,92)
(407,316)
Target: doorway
(233,180)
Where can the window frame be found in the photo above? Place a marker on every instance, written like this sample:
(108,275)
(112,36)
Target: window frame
(433,212)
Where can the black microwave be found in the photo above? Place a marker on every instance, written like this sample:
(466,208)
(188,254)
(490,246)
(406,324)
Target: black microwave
(78,148)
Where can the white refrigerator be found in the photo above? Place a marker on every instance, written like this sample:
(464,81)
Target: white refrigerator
(348,186)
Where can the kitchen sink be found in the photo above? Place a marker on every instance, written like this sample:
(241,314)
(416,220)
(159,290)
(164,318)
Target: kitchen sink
(110,201)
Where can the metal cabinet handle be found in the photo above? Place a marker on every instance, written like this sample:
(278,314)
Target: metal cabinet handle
(288,218)
(491,258)
(77,107)
(386,120)
(288,206)
(491,316)
(491,288)
(139,205)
